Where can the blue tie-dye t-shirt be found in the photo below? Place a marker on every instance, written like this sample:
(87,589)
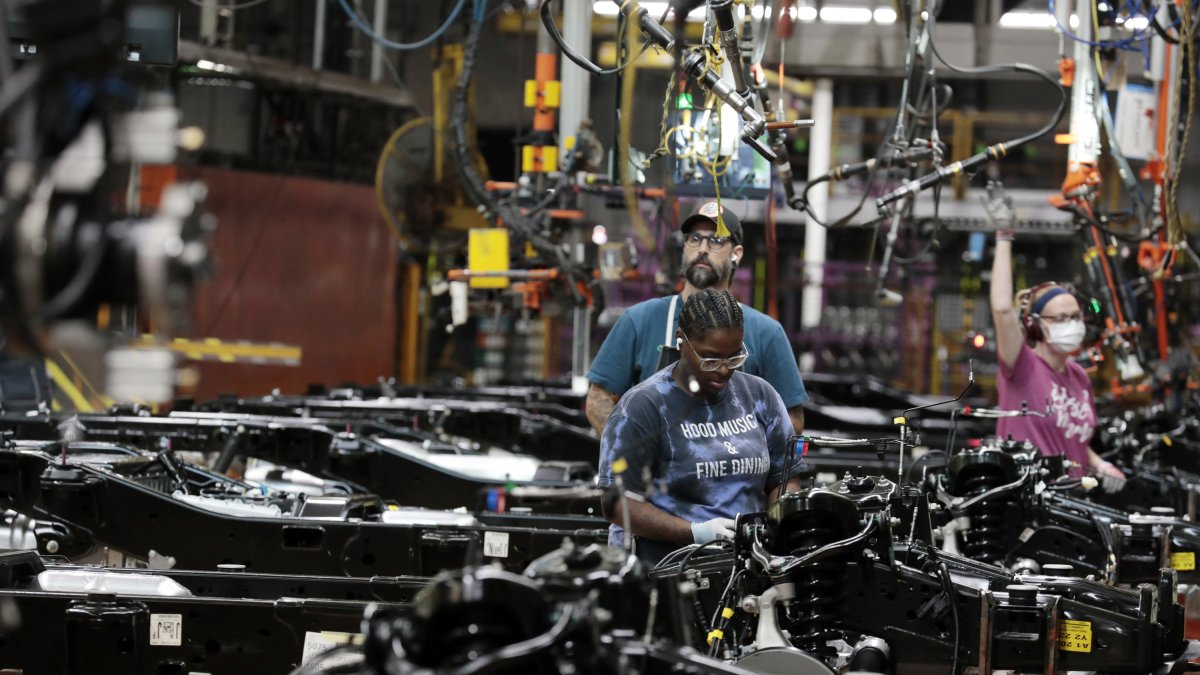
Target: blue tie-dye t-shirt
(702,459)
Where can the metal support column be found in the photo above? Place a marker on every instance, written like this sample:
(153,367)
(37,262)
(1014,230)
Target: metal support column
(411,324)
(318,55)
(1085,129)
(581,340)
(576,82)
(820,151)
(209,18)
(377,55)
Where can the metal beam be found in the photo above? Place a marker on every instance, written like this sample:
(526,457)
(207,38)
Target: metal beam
(299,77)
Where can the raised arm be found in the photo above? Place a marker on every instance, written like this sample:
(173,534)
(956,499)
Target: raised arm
(1008,327)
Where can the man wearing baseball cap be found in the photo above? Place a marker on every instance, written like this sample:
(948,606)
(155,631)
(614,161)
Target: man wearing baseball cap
(643,341)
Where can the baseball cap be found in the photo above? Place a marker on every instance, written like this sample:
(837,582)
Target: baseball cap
(707,213)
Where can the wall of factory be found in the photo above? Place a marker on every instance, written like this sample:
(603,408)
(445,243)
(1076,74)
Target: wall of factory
(303,262)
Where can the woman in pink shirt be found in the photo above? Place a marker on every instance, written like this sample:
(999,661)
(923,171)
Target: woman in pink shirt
(1034,343)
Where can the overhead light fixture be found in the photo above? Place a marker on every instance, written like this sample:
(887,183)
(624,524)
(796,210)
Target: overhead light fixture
(1137,23)
(205,64)
(1020,19)
(885,15)
(654,9)
(845,15)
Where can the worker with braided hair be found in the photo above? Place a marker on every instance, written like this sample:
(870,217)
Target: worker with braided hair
(642,342)
(699,441)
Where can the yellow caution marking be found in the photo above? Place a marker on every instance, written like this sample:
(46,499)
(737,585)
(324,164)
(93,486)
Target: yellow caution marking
(213,349)
(66,386)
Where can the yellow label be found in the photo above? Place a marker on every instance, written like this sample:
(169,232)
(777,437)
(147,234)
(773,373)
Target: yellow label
(531,92)
(1167,440)
(549,158)
(1184,561)
(620,465)
(553,94)
(899,420)
(539,158)
(487,253)
(1075,636)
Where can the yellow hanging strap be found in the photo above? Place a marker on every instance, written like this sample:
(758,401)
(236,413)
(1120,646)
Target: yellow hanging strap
(713,61)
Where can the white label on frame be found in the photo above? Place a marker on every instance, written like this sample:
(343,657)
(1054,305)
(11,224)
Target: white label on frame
(166,630)
(495,544)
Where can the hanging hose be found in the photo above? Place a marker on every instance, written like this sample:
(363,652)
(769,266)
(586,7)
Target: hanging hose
(475,183)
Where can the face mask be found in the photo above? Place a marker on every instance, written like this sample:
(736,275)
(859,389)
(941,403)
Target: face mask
(1066,337)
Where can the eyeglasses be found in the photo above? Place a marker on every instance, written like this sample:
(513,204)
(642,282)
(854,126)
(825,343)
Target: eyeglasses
(1062,318)
(733,362)
(716,243)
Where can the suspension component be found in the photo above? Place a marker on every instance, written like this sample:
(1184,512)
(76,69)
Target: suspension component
(971,474)
(804,522)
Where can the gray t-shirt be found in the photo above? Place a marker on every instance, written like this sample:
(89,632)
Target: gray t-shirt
(694,458)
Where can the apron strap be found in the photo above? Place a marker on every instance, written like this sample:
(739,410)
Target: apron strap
(667,341)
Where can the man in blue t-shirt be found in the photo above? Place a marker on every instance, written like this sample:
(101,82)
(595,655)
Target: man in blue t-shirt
(643,340)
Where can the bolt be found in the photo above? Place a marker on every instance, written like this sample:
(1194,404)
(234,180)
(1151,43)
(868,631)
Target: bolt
(52,546)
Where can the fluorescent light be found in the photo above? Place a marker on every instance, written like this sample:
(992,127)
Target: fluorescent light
(655,9)
(1019,19)
(806,13)
(205,64)
(1137,23)
(845,15)
(885,15)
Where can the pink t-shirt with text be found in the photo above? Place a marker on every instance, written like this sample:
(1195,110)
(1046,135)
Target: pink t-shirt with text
(1068,395)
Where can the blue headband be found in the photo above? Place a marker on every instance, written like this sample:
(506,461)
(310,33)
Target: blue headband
(1046,298)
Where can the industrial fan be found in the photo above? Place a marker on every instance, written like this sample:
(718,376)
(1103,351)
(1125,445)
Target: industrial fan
(417,200)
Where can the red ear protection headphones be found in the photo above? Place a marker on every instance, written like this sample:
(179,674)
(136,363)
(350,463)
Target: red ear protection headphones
(1029,319)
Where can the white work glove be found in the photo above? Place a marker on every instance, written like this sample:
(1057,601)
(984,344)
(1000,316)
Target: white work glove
(709,530)
(999,206)
(1111,478)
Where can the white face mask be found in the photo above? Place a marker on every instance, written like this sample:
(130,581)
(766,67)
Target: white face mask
(1066,337)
